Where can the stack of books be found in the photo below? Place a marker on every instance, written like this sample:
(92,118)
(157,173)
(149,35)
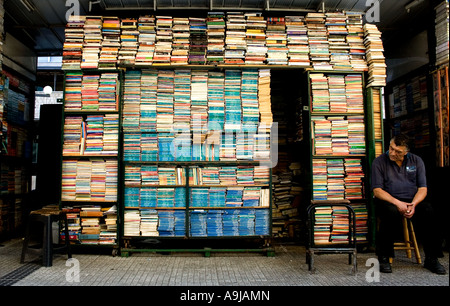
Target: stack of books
(72,91)
(216,100)
(230,219)
(340,228)
(356,135)
(361,216)
(108,93)
(214,223)
(217,196)
(148,150)
(182,102)
(234,197)
(337,36)
(297,41)
(235,45)
(149,222)
(354,177)
(246,222)
(72,131)
(180,44)
(198,226)
(442,33)
(164,101)
(276,42)
(354,93)
(73,43)
(132,223)
(233,106)
(132,147)
(320,93)
(335,179)
(318,41)
(337,91)
(320,181)
(255,39)
(92,42)
(322,225)
(164,39)
(131,101)
(264,100)
(149,87)
(166,224)
(129,42)
(355,40)
(90,224)
(374,55)
(262,221)
(110,43)
(131,197)
(199,105)
(89,92)
(244,146)
(198,41)
(250,103)
(94,134)
(166,147)
(215,23)
(147,40)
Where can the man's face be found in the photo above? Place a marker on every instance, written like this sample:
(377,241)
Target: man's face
(397,153)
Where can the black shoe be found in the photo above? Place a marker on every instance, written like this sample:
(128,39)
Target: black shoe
(434,266)
(385,265)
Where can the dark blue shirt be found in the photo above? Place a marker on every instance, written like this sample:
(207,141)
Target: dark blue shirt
(400,182)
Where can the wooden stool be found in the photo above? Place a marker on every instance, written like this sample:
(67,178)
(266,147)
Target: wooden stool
(47,215)
(410,241)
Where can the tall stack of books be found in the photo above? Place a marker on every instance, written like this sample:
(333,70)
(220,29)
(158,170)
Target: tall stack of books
(131,101)
(337,36)
(442,33)
(148,86)
(235,45)
(108,93)
(132,223)
(340,228)
(149,222)
(255,39)
(110,43)
(182,101)
(264,100)
(129,42)
(73,43)
(323,224)
(216,100)
(89,92)
(356,135)
(320,93)
(215,23)
(339,135)
(355,40)
(320,179)
(72,91)
(199,105)
(164,101)
(276,41)
(338,98)
(374,55)
(147,40)
(198,41)
(180,44)
(164,39)
(318,41)
(250,103)
(72,131)
(335,179)
(92,42)
(233,107)
(297,41)
(354,93)
(354,177)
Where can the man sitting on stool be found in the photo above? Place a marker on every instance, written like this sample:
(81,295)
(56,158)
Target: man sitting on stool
(400,187)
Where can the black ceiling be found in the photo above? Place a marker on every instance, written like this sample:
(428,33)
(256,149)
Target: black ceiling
(40,23)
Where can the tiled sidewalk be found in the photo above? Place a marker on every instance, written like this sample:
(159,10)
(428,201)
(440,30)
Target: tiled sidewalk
(287,268)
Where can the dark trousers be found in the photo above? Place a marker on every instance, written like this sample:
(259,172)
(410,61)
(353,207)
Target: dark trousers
(425,227)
